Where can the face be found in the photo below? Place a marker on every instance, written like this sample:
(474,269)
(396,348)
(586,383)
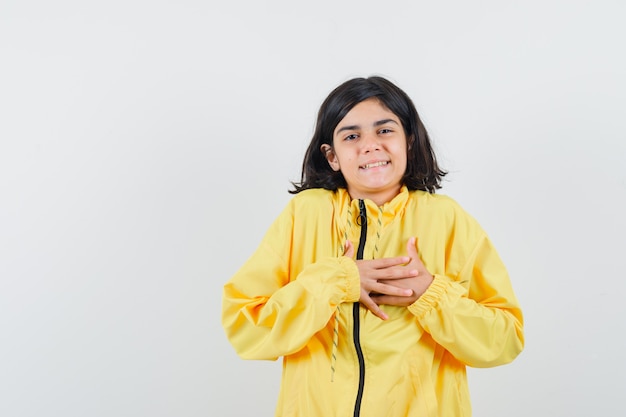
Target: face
(370,150)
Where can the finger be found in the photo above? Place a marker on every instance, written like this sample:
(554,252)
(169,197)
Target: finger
(411,248)
(387,289)
(383,263)
(373,307)
(393,273)
(348,249)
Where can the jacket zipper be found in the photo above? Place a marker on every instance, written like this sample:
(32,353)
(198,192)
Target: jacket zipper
(356,314)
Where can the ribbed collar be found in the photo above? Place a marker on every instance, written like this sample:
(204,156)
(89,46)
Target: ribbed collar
(349,208)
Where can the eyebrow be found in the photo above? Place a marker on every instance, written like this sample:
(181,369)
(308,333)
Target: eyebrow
(356,127)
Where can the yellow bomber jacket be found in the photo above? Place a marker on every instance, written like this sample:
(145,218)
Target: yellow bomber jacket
(295,298)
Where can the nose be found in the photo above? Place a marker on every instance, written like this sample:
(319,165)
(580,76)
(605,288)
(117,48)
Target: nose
(370,142)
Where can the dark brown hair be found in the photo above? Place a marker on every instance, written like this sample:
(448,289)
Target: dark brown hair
(422,171)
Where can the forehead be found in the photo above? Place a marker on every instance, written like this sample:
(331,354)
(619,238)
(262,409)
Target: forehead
(366,113)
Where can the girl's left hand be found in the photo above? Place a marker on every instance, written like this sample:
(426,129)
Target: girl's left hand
(418,284)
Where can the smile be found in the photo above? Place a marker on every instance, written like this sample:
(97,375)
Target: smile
(375,164)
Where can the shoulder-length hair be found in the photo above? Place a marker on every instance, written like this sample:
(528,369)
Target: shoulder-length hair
(422,171)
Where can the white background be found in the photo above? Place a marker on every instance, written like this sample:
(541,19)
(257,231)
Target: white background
(145,147)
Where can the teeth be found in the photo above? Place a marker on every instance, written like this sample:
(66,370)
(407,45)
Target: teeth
(375,164)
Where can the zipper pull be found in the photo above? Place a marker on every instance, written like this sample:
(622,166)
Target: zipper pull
(362,219)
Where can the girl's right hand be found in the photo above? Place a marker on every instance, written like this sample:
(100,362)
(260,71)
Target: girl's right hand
(388,269)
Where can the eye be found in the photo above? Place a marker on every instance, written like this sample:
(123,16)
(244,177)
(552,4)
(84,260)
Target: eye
(351,137)
(384,131)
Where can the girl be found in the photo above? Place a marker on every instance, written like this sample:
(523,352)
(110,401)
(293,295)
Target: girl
(376,291)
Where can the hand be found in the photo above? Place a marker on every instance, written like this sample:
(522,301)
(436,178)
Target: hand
(379,275)
(417,283)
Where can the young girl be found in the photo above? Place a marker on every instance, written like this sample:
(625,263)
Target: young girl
(376,291)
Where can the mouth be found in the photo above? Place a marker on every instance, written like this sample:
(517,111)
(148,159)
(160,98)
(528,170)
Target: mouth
(374,164)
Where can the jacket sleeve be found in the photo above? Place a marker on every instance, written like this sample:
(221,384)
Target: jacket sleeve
(267,313)
(475,316)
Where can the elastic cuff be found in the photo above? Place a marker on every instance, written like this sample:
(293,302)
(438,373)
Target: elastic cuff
(431,296)
(353,281)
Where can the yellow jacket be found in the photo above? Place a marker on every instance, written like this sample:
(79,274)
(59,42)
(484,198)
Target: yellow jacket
(295,298)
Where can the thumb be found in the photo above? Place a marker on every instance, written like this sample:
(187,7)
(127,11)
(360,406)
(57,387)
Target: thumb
(411,248)
(348,249)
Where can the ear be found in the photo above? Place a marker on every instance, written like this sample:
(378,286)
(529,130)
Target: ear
(329,153)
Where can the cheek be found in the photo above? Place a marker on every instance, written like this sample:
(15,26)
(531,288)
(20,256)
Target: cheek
(344,157)
(402,165)
(401,153)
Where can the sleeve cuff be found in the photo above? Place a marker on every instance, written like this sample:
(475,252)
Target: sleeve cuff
(430,298)
(353,281)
